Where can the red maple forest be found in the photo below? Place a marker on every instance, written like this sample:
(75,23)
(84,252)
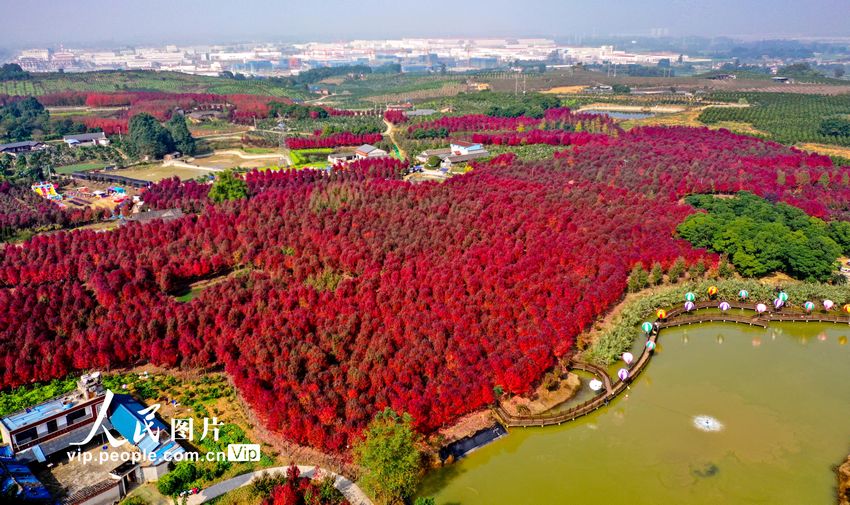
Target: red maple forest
(353,290)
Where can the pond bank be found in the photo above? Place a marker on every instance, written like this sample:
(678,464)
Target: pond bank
(844,483)
(645,447)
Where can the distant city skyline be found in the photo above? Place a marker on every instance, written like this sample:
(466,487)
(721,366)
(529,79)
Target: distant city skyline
(122,22)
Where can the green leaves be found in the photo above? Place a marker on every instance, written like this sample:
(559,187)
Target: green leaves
(148,138)
(228,186)
(390,455)
(761,237)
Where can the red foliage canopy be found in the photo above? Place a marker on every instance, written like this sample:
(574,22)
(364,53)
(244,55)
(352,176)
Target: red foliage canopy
(361,291)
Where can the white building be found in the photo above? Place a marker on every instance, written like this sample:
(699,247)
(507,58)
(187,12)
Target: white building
(369,151)
(86,139)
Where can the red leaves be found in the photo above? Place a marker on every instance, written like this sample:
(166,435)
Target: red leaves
(110,126)
(550,137)
(476,122)
(335,140)
(355,291)
(395,116)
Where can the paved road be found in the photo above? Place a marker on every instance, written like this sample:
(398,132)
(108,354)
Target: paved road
(352,493)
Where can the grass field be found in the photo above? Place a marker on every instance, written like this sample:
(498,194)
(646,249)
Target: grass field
(80,167)
(156,172)
(225,161)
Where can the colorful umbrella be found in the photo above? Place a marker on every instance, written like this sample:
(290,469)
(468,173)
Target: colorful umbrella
(724,306)
(828,304)
(628,358)
(761,308)
(690,297)
(783,296)
(661,314)
(650,345)
(595,384)
(623,374)
(778,303)
(847,308)
(646,327)
(712,290)
(689,306)
(809,306)
(743,294)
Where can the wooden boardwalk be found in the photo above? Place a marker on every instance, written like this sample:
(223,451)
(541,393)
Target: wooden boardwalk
(675,317)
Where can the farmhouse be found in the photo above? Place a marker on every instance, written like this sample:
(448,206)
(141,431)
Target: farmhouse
(453,160)
(44,434)
(22,147)
(369,151)
(458,152)
(37,432)
(340,158)
(153,215)
(463,148)
(86,139)
(441,153)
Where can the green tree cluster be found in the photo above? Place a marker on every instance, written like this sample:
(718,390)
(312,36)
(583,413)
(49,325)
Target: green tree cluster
(13,72)
(389,452)
(835,127)
(21,119)
(148,138)
(760,237)
(296,111)
(228,186)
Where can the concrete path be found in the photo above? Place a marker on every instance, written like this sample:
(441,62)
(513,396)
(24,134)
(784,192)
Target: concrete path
(352,493)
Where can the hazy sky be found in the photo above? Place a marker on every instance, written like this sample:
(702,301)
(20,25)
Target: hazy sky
(116,22)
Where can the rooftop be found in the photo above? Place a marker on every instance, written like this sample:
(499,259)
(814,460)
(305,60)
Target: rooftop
(165,215)
(28,143)
(32,415)
(55,405)
(84,137)
(125,417)
(464,143)
(468,157)
(366,148)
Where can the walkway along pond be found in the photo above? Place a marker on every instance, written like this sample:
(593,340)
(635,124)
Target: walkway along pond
(674,317)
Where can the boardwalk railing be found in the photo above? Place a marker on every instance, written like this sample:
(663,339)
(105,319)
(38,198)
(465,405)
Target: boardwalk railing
(675,317)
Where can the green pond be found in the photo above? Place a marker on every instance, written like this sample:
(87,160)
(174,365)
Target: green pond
(782,395)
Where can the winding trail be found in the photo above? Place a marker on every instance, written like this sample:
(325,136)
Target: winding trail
(350,490)
(390,133)
(675,317)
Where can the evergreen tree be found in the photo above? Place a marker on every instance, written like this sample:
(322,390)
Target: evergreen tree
(638,278)
(183,140)
(677,269)
(148,137)
(656,277)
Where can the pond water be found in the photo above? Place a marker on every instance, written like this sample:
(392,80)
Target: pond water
(620,114)
(723,414)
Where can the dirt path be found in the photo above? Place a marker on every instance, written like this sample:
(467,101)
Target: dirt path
(390,132)
(183,164)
